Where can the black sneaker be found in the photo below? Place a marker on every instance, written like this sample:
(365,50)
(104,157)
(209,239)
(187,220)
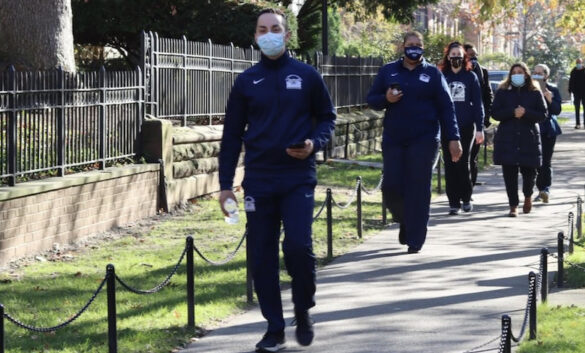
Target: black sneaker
(271,342)
(413,250)
(304,330)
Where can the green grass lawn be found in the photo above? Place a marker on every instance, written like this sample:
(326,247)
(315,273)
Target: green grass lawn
(560,328)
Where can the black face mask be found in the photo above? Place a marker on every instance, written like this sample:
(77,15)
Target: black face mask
(474,61)
(456,62)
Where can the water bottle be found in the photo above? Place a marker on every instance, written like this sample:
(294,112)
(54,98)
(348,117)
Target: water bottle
(231,207)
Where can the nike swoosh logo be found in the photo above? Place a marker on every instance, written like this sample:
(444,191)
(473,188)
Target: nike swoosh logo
(394,74)
(308,195)
(258,81)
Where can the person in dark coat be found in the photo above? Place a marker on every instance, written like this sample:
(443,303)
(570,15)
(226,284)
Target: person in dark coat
(577,89)
(519,106)
(549,130)
(466,94)
(487,96)
(418,107)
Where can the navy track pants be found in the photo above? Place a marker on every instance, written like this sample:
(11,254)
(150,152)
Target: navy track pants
(408,170)
(294,206)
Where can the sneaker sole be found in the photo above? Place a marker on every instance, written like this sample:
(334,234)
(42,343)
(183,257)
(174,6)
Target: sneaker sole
(271,349)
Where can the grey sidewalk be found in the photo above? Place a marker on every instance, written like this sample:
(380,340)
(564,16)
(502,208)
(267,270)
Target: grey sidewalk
(448,298)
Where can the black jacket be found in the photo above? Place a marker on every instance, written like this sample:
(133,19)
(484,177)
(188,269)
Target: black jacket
(486,91)
(577,82)
(517,141)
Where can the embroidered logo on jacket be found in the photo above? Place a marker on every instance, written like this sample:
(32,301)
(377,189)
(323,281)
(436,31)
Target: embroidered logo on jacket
(294,82)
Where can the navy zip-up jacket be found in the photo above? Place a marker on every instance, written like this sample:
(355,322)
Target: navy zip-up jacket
(466,94)
(424,109)
(273,104)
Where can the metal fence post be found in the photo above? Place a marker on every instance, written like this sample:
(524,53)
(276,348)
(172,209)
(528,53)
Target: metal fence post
(249,279)
(544,274)
(111,287)
(1,328)
(184,71)
(346,147)
(560,259)
(579,217)
(360,225)
(571,223)
(439,181)
(190,283)
(532,318)
(102,123)
(12,148)
(140,109)
(61,155)
(506,331)
(329,225)
(571,243)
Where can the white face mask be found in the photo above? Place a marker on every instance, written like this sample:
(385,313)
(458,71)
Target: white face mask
(271,44)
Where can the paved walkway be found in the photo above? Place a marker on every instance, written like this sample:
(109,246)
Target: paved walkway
(448,298)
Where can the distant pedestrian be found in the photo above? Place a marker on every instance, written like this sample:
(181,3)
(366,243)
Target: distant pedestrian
(549,130)
(577,89)
(487,97)
(418,104)
(519,106)
(281,111)
(466,94)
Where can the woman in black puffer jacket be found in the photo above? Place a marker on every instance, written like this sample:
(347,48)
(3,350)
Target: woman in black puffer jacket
(519,106)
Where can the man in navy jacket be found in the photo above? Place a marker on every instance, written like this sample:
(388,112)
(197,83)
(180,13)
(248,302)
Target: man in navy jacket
(418,105)
(282,112)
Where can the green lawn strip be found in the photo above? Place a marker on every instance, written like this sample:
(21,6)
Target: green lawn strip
(568,108)
(560,328)
(48,293)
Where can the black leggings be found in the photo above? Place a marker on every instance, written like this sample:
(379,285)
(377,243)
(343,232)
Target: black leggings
(457,176)
(511,180)
(578,101)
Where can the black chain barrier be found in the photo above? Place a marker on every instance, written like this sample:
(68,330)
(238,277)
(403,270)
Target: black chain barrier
(228,258)
(63,324)
(158,287)
(111,277)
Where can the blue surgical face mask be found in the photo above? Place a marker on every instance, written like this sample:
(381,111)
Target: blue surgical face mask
(413,53)
(538,77)
(579,66)
(271,44)
(518,80)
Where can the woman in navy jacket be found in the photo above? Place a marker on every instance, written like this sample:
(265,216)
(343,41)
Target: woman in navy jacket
(519,106)
(418,105)
(466,94)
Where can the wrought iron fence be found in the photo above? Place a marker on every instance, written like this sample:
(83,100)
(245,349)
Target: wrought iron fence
(52,121)
(55,120)
(190,81)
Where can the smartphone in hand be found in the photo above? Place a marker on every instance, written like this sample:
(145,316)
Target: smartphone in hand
(395,87)
(297,145)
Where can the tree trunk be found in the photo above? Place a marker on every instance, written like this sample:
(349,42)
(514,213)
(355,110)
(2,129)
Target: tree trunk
(37,34)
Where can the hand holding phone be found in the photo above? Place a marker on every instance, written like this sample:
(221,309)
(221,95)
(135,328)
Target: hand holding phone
(395,87)
(297,145)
